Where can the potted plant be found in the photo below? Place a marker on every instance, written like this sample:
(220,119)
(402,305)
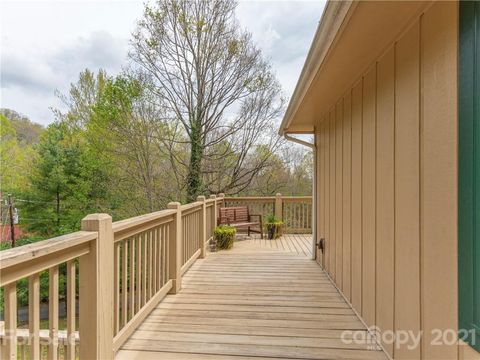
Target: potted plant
(274,227)
(224,236)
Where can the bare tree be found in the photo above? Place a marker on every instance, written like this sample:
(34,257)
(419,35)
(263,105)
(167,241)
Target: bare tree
(215,84)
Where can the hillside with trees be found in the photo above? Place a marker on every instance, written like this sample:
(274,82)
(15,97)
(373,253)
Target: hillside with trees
(194,112)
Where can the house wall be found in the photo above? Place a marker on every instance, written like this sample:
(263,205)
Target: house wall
(387,187)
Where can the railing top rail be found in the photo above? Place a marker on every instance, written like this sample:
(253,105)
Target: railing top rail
(30,252)
(126,224)
(268,198)
(192,205)
(250,198)
(297,198)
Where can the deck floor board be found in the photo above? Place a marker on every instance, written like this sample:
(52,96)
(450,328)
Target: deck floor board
(261,300)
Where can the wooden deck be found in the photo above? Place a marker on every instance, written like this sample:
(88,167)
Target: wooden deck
(300,244)
(260,300)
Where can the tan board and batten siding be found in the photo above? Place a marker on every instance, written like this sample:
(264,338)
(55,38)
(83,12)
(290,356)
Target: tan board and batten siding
(387,180)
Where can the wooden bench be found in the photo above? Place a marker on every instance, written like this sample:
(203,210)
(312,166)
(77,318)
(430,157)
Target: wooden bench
(239,217)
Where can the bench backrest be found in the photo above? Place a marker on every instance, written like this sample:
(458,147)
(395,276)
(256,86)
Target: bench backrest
(234,214)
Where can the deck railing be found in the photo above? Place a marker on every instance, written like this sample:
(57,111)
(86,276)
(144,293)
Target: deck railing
(294,211)
(117,272)
(124,269)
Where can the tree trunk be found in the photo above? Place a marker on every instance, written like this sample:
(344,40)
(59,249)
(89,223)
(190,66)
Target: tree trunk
(194,177)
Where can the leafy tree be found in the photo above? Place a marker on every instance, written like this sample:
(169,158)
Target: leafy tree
(81,98)
(65,179)
(27,132)
(214,82)
(14,159)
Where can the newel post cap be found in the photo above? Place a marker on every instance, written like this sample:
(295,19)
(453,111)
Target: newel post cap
(97,217)
(89,221)
(174,205)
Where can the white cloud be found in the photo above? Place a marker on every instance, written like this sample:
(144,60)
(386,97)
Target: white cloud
(45,44)
(284,31)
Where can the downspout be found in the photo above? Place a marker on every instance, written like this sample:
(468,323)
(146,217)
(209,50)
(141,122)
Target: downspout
(314,188)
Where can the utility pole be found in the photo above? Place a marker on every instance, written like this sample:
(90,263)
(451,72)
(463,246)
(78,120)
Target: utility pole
(12,225)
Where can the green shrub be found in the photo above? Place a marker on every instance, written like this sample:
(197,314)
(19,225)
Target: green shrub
(225,236)
(272,220)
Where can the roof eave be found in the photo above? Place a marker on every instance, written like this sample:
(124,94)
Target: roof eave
(332,18)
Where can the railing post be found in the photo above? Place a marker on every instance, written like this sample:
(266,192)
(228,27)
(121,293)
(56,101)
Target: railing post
(203,226)
(214,217)
(96,291)
(278,207)
(175,249)
(222,195)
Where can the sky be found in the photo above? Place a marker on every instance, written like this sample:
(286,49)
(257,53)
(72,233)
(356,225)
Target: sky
(45,44)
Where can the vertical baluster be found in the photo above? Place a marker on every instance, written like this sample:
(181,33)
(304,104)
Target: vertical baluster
(189,230)
(305,216)
(295,206)
(288,219)
(53,313)
(71,310)
(200,231)
(131,292)
(159,257)
(304,210)
(160,254)
(305,220)
(167,252)
(138,271)
(164,254)
(189,233)
(294,215)
(144,270)
(299,211)
(116,287)
(192,236)
(124,281)
(300,217)
(291,214)
(9,348)
(184,237)
(299,206)
(150,264)
(194,232)
(191,224)
(156,258)
(34,315)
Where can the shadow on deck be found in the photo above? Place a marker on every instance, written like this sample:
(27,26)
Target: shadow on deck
(259,300)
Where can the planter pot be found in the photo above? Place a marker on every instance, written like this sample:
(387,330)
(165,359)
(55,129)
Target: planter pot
(213,245)
(274,231)
(271,232)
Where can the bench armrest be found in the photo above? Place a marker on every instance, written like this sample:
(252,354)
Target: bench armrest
(259,218)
